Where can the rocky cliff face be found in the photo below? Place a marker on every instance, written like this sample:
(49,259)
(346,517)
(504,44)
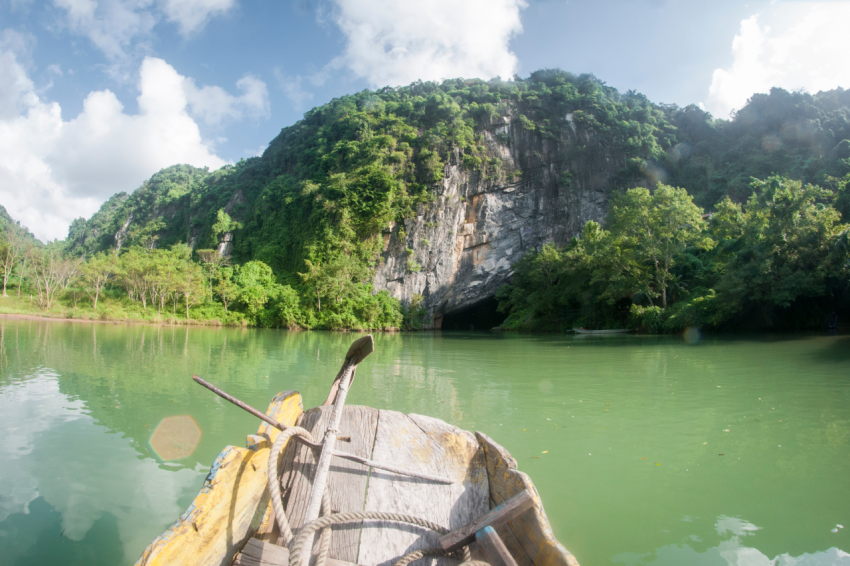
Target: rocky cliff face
(483,222)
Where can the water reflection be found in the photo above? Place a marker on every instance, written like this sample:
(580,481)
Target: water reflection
(37,537)
(731,551)
(61,477)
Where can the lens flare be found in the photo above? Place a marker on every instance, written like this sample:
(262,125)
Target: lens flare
(692,335)
(680,152)
(175,437)
(654,171)
(771,143)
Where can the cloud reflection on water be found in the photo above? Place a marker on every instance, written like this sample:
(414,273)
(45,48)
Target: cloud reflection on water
(100,475)
(730,552)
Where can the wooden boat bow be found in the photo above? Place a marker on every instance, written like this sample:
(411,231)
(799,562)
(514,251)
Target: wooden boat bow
(442,479)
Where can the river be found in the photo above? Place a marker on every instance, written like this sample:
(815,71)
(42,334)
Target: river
(645,450)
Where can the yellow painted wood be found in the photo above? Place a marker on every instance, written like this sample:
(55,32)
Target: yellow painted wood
(529,537)
(233,504)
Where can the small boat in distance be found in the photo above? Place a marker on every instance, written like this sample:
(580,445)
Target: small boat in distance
(612,331)
(402,488)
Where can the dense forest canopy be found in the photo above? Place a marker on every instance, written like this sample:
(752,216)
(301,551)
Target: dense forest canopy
(354,164)
(313,207)
(782,260)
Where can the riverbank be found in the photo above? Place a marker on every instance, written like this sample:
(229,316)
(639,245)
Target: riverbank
(115,311)
(108,312)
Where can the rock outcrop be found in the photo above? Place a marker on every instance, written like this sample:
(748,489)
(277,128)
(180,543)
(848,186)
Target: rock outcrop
(460,249)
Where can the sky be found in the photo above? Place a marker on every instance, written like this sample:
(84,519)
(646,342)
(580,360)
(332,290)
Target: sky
(97,95)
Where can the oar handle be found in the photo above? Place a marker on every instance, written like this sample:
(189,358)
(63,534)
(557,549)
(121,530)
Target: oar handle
(238,403)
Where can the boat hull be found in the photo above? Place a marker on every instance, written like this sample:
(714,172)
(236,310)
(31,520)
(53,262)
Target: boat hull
(234,504)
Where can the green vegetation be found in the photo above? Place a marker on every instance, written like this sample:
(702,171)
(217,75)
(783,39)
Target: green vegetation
(315,208)
(780,261)
(155,285)
(798,135)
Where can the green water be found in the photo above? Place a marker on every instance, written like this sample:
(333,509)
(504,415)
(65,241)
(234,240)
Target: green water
(725,451)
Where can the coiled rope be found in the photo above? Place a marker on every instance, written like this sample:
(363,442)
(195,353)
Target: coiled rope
(274,478)
(305,536)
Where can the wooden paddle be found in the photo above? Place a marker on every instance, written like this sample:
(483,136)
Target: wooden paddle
(356,353)
(339,390)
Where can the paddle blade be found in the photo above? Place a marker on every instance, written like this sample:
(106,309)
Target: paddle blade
(360,349)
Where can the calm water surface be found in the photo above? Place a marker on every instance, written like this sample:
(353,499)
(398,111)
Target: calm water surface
(645,450)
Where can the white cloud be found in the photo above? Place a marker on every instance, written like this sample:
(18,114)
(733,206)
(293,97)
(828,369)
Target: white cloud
(806,50)
(111,25)
(393,43)
(213,104)
(192,15)
(16,89)
(53,170)
(118,28)
(293,89)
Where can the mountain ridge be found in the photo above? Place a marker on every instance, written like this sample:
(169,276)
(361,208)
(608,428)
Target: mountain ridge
(380,175)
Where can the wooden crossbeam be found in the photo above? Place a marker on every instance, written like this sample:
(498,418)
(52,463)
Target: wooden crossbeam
(492,545)
(500,515)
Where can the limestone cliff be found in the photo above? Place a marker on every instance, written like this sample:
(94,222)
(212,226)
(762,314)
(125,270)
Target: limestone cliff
(481,224)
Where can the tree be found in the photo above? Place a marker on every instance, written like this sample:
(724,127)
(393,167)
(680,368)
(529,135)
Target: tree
(12,247)
(534,292)
(190,284)
(23,268)
(257,285)
(336,279)
(223,223)
(789,246)
(213,261)
(226,288)
(658,226)
(52,272)
(134,267)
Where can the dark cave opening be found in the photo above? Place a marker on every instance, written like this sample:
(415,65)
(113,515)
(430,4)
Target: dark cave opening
(480,316)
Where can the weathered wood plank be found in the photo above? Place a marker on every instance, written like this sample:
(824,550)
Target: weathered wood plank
(493,547)
(231,505)
(428,445)
(266,552)
(347,479)
(260,553)
(528,537)
(245,560)
(496,517)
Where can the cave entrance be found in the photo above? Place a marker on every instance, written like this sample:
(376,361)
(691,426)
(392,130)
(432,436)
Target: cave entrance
(480,316)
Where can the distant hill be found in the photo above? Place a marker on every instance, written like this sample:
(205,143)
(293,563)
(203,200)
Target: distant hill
(794,134)
(399,178)
(7,221)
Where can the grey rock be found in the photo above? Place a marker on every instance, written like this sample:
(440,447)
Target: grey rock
(482,222)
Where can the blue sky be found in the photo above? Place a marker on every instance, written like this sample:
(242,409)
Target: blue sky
(97,95)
